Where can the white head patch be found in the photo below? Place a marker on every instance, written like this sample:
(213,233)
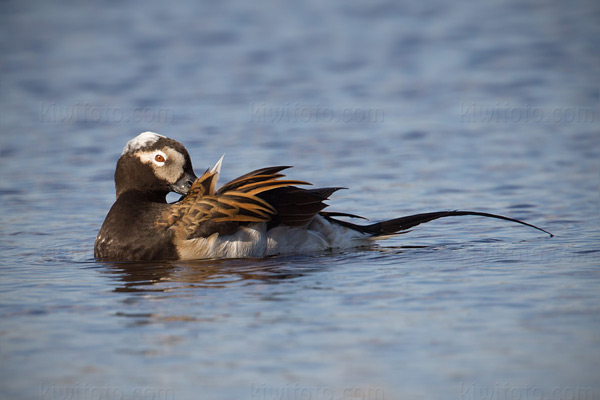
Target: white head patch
(140,141)
(168,167)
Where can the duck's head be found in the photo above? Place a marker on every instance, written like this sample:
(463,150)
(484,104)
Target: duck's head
(156,164)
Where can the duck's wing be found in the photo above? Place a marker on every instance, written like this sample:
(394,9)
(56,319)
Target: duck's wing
(296,206)
(293,206)
(259,181)
(207,183)
(259,196)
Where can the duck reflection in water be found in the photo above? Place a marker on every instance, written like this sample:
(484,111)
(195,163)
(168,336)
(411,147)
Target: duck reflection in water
(167,276)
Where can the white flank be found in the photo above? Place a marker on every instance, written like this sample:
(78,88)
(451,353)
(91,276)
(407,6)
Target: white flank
(140,141)
(255,241)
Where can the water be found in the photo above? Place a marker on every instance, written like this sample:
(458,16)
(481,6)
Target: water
(415,107)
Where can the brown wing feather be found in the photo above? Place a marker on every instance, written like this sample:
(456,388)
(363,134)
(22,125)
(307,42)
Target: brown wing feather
(258,175)
(204,185)
(259,196)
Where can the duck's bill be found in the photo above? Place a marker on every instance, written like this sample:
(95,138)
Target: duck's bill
(183,185)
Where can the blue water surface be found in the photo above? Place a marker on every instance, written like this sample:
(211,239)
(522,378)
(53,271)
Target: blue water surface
(415,106)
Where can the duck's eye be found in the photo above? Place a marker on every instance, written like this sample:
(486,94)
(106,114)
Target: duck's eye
(159,158)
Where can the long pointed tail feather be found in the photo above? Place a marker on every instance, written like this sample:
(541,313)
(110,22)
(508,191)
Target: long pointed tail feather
(400,225)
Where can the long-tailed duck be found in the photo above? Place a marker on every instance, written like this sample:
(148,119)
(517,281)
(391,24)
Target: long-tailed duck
(258,214)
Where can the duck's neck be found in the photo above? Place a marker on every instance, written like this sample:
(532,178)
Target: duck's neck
(140,195)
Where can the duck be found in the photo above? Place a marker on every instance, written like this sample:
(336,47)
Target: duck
(259,214)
